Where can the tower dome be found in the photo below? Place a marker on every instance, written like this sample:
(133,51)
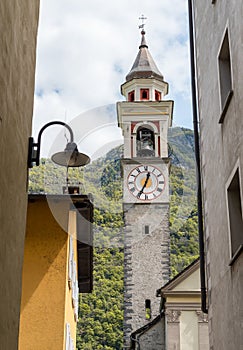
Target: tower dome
(144,65)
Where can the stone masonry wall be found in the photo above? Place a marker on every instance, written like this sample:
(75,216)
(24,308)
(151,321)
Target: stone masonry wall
(146,262)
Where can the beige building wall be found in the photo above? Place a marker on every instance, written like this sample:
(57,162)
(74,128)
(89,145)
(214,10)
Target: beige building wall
(187,326)
(218,30)
(189,330)
(181,324)
(18,31)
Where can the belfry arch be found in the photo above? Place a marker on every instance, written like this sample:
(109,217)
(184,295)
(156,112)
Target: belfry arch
(145,141)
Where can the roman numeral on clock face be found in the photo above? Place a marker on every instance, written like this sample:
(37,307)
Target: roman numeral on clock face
(143,196)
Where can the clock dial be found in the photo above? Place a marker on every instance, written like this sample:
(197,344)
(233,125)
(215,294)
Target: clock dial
(146,182)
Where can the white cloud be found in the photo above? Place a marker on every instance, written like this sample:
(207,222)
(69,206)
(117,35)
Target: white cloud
(86,48)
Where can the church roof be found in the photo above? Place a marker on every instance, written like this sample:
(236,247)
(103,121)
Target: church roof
(144,65)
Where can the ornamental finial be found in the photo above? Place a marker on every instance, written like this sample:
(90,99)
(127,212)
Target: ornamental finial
(142,19)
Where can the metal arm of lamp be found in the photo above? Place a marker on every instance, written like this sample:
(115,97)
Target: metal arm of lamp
(70,157)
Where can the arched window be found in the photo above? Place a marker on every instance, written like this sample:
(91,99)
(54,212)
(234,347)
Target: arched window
(144,94)
(157,95)
(145,142)
(131,96)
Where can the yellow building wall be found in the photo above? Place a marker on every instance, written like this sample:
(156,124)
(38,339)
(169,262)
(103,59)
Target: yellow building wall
(46,300)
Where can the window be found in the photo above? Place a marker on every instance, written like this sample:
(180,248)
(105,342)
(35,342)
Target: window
(146,229)
(235,215)
(157,95)
(225,79)
(144,94)
(131,96)
(148,309)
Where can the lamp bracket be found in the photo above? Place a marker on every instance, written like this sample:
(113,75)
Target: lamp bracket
(34,147)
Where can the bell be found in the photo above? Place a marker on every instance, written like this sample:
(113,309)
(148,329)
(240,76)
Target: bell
(146,148)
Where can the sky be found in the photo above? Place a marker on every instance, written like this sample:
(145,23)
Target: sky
(84,51)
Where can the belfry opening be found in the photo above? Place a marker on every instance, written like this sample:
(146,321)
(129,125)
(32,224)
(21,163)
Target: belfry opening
(145,142)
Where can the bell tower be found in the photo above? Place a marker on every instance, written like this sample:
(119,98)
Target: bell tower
(144,118)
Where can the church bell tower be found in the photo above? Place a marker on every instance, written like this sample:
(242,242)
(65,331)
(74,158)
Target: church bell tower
(144,118)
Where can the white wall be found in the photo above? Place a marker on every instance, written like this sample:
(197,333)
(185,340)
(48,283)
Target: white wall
(188,330)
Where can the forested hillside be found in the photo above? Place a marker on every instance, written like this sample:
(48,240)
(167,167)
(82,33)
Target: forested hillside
(100,313)
(183,205)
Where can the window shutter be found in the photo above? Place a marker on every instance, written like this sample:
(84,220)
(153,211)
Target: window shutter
(85,247)
(76,300)
(69,344)
(68,336)
(70,262)
(75,291)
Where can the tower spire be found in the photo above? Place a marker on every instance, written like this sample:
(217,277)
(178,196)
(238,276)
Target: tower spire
(143,41)
(144,65)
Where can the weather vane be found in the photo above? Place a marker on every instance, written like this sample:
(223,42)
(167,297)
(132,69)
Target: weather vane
(142,18)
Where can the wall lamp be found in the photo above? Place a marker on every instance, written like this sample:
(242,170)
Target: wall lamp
(70,157)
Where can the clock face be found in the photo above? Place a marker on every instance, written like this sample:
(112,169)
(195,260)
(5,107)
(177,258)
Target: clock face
(146,182)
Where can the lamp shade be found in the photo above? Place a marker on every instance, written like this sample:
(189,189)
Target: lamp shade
(70,157)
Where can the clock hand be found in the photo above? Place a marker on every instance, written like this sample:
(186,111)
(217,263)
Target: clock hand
(145,184)
(146,181)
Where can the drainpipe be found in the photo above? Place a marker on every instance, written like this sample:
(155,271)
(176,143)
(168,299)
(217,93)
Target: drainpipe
(198,167)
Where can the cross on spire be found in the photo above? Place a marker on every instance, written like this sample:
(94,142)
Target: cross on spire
(142,19)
